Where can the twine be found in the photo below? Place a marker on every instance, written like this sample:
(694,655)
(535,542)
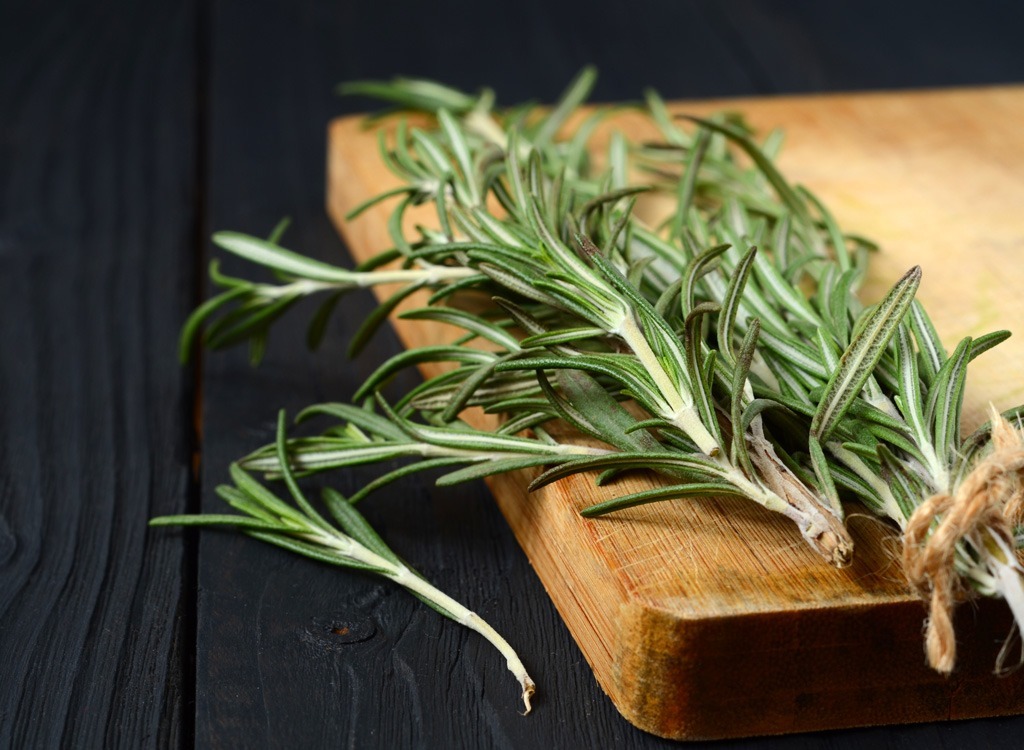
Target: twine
(990,498)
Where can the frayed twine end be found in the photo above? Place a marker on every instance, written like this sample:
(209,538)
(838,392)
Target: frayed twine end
(989,500)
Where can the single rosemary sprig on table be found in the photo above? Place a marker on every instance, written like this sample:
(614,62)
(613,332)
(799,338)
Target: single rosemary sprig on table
(350,542)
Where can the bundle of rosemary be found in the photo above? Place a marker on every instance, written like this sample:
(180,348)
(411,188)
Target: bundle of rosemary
(724,347)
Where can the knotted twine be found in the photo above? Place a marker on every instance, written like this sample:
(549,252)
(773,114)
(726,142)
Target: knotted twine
(989,499)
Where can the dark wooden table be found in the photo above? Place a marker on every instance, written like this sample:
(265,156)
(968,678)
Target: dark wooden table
(131,130)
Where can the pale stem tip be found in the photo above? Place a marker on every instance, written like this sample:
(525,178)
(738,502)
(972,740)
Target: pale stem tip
(529,688)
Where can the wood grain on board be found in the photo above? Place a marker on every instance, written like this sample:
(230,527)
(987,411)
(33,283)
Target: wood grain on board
(711,618)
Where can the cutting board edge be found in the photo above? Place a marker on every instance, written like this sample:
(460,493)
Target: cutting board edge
(679,679)
(346,121)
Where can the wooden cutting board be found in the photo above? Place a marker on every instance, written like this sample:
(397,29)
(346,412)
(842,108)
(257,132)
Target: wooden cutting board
(711,618)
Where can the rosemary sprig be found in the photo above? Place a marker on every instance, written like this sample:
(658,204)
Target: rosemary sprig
(246,310)
(365,437)
(350,542)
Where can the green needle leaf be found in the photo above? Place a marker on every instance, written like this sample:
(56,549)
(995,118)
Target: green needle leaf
(673,464)
(863,354)
(214,519)
(277,258)
(574,96)
(357,527)
(676,491)
(199,316)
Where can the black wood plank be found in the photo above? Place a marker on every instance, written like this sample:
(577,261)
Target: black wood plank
(804,45)
(97,214)
(272,667)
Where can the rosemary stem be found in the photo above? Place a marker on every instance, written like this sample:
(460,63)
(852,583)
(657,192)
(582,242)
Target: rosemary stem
(678,402)
(820,530)
(818,524)
(406,578)
(483,124)
(939,470)
(785,493)
(430,275)
(891,508)
(1002,560)
(473,621)
(301,287)
(1011,586)
(372,453)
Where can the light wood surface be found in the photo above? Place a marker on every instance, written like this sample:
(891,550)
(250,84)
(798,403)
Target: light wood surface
(710,618)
